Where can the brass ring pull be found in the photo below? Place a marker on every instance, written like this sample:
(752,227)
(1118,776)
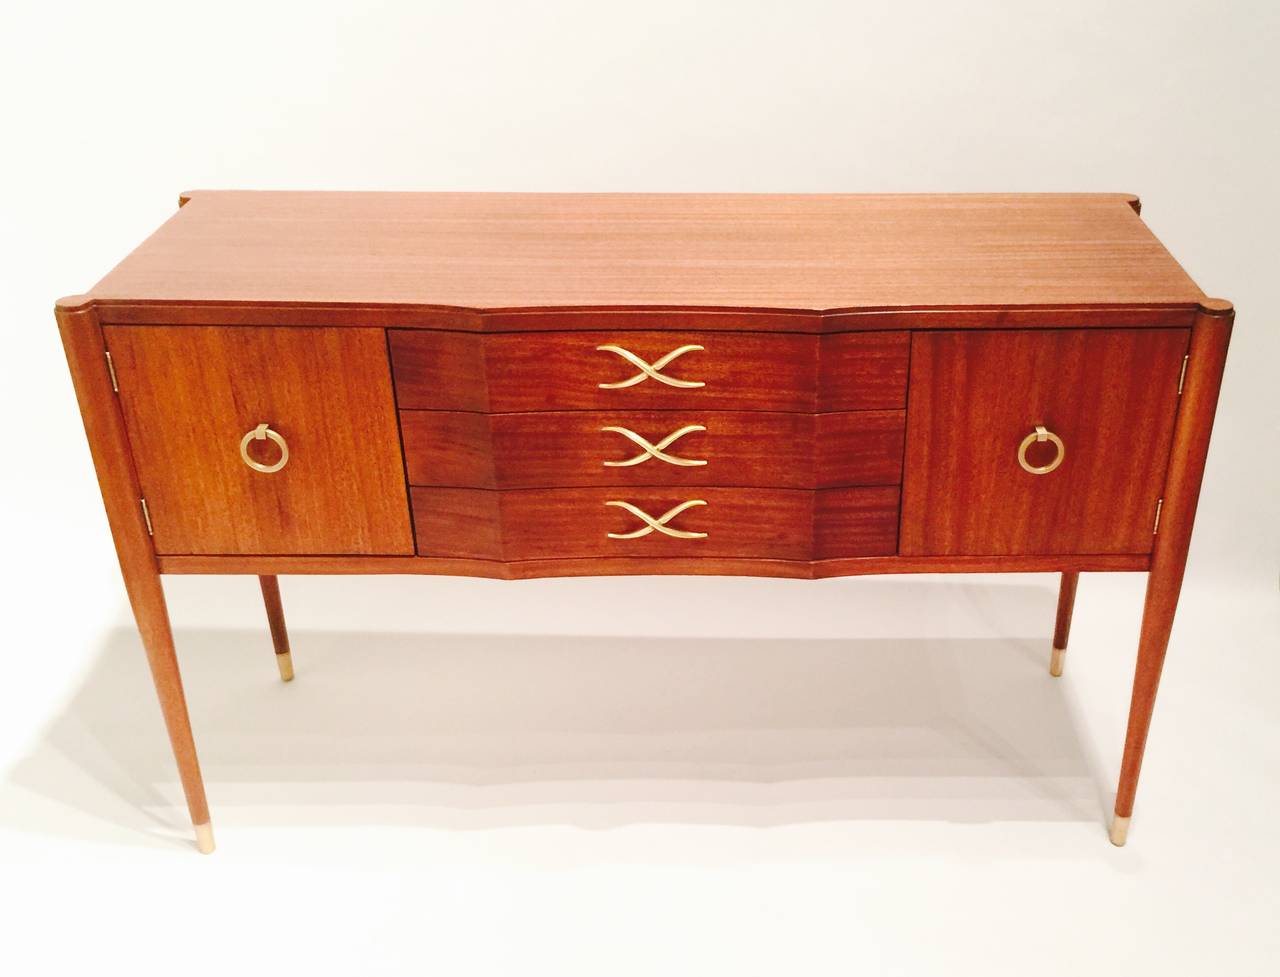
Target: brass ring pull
(659,524)
(659,450)
(263,433)
(1041,433)
(653,369)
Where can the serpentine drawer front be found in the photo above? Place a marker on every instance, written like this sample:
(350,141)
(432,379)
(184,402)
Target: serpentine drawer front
(648,447)
(517,386)
(678,370)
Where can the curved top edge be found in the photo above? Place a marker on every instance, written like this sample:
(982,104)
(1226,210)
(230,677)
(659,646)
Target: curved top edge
(74,303)
(1220,307)
(109,301)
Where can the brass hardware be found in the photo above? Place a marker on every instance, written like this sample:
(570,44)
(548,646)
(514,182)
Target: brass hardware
(1182,376)
(204,838)
(653,370)
(284,662)
(1119,831)
(264,433)
(1041,433)
(1055,662)
(659,524)
(1159,505)
(146,517)
(656,450)
(111,369)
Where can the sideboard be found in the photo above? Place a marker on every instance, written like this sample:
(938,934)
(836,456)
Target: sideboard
(525,385)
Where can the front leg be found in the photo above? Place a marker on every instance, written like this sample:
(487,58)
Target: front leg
(1209,338)
(86,355)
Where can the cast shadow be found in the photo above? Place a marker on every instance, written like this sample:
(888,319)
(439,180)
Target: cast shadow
(486,731)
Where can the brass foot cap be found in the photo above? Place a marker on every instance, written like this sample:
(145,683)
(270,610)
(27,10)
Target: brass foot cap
(1055,661)
(285,663)
(204,838)
(1119,831)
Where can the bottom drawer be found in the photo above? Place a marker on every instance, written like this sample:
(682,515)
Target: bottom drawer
(541,524)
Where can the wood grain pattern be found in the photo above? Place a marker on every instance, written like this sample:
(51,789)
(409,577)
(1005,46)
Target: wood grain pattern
(507,373)
(567,449)
(296,309)
(109,447)
(270,586)
(1066,605)
(615,566)
(1109,316)
(552,524)
(189,394)
(1110,395)
(760,251)
(1209,340)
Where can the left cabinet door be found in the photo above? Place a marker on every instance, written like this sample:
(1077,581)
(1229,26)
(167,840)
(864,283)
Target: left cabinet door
(195,402)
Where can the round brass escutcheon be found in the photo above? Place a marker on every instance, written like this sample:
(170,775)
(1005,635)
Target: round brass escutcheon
(1041,433)
(264,433)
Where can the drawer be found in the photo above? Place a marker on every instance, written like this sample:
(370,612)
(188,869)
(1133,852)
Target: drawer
(538,524)
(1105,400)
(514,372)
(562,449)
(193,397)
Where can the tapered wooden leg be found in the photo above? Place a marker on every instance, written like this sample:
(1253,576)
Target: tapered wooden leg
(82,339)
(1062,627)
(149,610)
(275,620)
(1209,338)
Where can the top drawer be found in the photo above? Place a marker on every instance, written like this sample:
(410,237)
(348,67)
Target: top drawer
(507,372)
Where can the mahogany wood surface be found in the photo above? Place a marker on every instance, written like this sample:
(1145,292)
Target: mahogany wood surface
(566,449)
(757,251)
(190,394)
(1209,340)
(536,524)
(566,319)
(109,447)
(616,566)
(270,586)
(1110,395)
(745,371)
(866,365)
(1066,605)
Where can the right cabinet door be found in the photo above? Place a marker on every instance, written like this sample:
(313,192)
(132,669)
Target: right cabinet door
(1048,441)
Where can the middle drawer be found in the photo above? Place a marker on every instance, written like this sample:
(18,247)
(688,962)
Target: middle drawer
(569,449)
(512,372)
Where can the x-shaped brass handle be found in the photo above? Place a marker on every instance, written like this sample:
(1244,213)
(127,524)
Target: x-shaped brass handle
(659,524)
(650,369)
(656,450)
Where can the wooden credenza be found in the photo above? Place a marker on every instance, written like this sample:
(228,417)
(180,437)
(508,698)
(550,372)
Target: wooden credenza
(513,385)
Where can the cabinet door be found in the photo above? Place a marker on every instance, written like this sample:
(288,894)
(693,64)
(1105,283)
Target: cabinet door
(1108,395)
(191,394)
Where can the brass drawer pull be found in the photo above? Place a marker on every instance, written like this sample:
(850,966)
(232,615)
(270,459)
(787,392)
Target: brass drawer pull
(263,433)
(1041,433)
(656,450)
(660,524)
(650,369)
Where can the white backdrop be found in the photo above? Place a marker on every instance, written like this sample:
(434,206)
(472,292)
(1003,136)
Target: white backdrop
(795,706)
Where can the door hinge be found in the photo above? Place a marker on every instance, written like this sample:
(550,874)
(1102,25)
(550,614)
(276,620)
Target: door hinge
(1182,376)
(1159,505)
(111,369)
(146,517)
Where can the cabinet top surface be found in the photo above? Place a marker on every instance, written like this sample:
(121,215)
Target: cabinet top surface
(735,251)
